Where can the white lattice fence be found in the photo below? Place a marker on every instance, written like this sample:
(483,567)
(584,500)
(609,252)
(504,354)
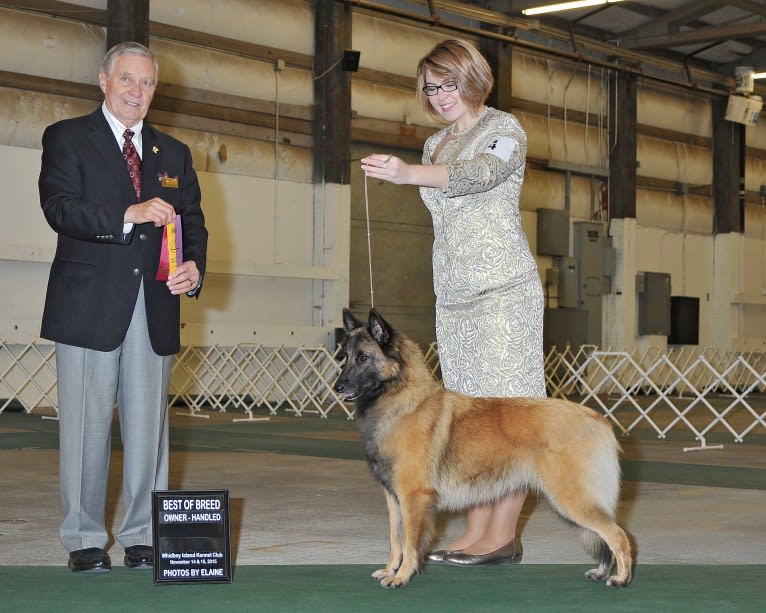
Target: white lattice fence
(698,390)
(695,389)
(27,376)
(251,376)
(244,377)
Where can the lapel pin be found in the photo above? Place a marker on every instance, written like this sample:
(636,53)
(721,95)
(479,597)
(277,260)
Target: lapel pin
(155,149)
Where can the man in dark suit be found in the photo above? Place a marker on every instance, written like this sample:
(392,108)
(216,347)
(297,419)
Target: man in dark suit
(116,327)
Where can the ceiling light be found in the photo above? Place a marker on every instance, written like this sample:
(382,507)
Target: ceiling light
(565,6)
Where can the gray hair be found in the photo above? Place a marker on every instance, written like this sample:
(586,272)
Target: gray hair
(127,48)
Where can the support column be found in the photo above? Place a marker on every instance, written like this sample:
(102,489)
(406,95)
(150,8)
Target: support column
(499,55)
(620,307)
(332,93)
(622,139)
(728,170)
(127,20)
(727,273)
(620,314)
(729,225)
(332,160)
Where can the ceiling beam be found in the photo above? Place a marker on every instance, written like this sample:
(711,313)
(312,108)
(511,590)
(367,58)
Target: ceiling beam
(589,51)
(756,59)
(749,6)
(665,23)
(64,10)
(696,37)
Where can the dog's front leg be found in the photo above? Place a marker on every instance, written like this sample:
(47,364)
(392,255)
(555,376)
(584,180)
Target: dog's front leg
(416,509)
(394,532)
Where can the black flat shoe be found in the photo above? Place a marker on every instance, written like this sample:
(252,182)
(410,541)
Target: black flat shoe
(90,560)
(510,553)
(139,556)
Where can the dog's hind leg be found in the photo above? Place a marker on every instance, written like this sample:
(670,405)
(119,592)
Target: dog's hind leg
(596,546)
(580,504)
(394,535)
(617,541)
(582,483)
(614,546)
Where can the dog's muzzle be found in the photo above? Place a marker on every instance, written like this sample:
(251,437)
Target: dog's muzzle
(349,395)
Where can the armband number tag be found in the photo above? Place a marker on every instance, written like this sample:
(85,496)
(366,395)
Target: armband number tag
(502,147)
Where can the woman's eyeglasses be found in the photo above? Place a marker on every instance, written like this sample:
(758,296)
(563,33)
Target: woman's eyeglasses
(447,86)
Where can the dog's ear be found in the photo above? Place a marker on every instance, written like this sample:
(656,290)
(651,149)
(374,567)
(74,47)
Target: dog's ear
(350,323)
(379,328)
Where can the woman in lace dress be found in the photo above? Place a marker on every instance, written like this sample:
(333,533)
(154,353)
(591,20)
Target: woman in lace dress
(489,299)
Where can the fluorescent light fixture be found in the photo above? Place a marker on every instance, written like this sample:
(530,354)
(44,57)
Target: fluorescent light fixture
(565,6)
(759,75)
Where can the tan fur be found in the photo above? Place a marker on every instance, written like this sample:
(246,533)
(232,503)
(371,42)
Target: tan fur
(443,450)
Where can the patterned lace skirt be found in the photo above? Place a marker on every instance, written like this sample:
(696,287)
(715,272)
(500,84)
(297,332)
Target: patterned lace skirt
(493,345)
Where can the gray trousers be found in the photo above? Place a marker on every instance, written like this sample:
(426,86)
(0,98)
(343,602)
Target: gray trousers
(89,384)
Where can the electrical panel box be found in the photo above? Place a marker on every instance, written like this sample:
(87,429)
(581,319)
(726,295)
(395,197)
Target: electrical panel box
(568,290)
(552,277)
(590,244)
(653,290)
(552,232)
(562,327)
(584,277)
(684,320)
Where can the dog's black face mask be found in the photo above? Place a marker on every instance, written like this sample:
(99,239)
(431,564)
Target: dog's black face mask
(367,367)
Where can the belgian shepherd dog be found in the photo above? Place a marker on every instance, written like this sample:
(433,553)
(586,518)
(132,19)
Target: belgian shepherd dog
(434,449)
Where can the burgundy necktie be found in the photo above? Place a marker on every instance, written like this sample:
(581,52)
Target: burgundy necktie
(133,161)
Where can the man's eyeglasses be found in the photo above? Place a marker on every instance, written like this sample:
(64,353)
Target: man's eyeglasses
(447,86)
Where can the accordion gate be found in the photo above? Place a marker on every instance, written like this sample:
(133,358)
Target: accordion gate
(691,389)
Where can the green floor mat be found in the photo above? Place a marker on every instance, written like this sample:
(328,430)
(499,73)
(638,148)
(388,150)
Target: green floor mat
(338,589)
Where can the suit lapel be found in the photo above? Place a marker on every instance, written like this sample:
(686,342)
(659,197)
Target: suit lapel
(149,163)
(104,142)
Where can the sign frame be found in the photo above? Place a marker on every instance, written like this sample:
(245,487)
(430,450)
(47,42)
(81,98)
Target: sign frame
(191,532)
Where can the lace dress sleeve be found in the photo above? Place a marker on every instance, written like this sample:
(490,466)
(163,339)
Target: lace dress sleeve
(498,153)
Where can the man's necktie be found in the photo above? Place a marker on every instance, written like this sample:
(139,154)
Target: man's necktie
(132,161)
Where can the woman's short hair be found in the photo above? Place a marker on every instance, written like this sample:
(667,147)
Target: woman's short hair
(127,48)
(458,59)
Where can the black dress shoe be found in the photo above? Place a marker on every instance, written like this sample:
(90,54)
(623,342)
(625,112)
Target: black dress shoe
(510,553)
(90,560)
(139,556)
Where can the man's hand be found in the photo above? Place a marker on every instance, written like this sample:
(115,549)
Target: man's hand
(184,279)
(155,211)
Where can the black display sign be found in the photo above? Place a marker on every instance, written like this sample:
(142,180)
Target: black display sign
(192,540)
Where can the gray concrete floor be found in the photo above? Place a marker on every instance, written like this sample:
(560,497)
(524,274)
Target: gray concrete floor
(305,510)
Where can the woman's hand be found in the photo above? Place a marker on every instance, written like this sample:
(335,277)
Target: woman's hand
(395,170)
(386,167)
